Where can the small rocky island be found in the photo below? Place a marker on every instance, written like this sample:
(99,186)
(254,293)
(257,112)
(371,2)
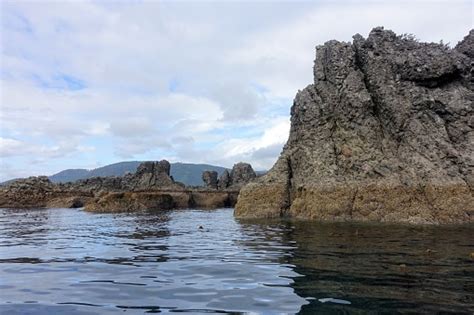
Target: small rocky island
(385,133)
(150,188)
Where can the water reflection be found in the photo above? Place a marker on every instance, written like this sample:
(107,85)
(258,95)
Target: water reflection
(384,268)
(67,261)
(180,261)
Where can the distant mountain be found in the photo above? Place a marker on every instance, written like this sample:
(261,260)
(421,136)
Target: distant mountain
(116,169)
(69,175)
(191,174)
(187,173)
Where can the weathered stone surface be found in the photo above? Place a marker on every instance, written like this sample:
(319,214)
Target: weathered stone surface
(161,200)
(241,174)
(150,175)
(210,179)
(224,180)
(131,201)
(33,192)
(210,200)
(385,133)
(68,202)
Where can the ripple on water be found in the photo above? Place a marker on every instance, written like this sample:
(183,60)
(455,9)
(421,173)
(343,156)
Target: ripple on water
(141,262)
(65,261)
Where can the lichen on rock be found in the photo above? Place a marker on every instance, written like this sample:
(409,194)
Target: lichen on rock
(385,133)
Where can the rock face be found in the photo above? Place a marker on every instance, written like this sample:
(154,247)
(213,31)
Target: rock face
(210,179)
(385,133)
(224,180)
(150,175)
(241,174)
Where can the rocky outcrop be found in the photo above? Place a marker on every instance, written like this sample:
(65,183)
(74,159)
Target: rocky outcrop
(210,179)
(149,176)
(224,180)
(161,200)
(150,188)
(385,133)
(241,174)
(40,192)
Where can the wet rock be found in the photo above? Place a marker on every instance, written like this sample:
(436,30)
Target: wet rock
(38,192)
(385,133)
(131,201)
(68,202)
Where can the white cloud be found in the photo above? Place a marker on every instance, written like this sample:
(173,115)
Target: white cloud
(195,81)
(12,147)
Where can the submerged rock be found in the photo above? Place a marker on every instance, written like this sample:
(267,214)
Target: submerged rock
(385,133)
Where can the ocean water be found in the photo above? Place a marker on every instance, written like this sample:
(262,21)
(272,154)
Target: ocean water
(68,261)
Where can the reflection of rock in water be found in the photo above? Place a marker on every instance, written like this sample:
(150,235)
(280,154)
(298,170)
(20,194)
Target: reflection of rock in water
(391,268)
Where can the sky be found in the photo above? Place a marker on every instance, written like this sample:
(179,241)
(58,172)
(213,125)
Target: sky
(89,83)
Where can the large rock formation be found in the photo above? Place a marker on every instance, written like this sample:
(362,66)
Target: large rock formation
(210,179)
(240,175)
(385,133)
(150,188)
(150,175)
(224,180)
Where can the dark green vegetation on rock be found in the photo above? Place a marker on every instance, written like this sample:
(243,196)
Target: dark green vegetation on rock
(385,133)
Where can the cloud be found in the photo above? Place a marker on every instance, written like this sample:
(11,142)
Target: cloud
(90,82)
(131,127)
(12,147)
(237,101)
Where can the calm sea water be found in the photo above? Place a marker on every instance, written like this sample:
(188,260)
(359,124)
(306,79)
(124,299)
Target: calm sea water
(64,261)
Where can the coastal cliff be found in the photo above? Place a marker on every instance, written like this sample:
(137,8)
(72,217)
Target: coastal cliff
(385,133)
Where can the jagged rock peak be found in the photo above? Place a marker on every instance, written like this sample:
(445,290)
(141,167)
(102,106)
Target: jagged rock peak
(242,173)
(385,133)
(224,180)
(210,179)
(154,167)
